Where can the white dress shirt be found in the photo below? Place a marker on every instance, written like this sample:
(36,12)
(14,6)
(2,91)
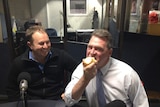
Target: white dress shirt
(120,82)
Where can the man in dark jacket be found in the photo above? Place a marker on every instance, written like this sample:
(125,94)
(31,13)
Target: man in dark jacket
(45,65)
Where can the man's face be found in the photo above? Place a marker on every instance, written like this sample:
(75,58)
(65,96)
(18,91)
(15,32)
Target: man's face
(41,44)
(97,48)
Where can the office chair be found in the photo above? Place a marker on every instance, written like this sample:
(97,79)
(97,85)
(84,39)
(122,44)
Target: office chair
(51,32)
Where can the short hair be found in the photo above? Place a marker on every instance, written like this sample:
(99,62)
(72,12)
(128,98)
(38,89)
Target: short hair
(104,34)
(31,30)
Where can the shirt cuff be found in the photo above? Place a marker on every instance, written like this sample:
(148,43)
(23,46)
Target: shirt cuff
(68,98)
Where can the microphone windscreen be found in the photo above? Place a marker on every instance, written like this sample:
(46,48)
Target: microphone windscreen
(116,103)
(24,76)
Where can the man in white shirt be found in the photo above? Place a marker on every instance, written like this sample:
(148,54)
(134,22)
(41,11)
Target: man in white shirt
(120,81)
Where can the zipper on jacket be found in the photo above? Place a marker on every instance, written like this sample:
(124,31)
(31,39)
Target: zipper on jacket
(44,90)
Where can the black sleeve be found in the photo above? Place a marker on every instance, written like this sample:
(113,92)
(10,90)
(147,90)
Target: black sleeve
(13,91)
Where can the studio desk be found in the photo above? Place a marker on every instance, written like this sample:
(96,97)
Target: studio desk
(35,103)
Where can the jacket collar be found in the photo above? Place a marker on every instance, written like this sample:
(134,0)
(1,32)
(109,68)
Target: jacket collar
(26,54)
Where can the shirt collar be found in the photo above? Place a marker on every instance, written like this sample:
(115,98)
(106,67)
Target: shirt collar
(105,69)
(32,58)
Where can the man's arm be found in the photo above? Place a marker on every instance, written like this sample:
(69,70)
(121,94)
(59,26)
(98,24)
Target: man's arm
(79,88)
(137,92)
(76,87)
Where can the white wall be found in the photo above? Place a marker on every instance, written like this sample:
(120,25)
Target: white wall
(39,11)
(55,15)
(49,13)
(85,21)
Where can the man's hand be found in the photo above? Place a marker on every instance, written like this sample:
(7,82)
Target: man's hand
(62,96)
(90,70)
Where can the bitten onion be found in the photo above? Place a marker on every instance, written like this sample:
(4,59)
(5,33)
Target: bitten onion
(88,60)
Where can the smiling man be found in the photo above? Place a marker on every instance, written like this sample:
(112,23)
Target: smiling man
(45,65)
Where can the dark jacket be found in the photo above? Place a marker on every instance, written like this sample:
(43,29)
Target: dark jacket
(46,84)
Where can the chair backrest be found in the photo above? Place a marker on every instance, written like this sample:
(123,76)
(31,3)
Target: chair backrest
(51,32)
(76,49)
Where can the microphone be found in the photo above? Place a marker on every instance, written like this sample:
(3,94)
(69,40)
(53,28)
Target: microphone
(24,79)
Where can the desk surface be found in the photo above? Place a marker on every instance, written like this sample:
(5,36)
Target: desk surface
(36,103)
